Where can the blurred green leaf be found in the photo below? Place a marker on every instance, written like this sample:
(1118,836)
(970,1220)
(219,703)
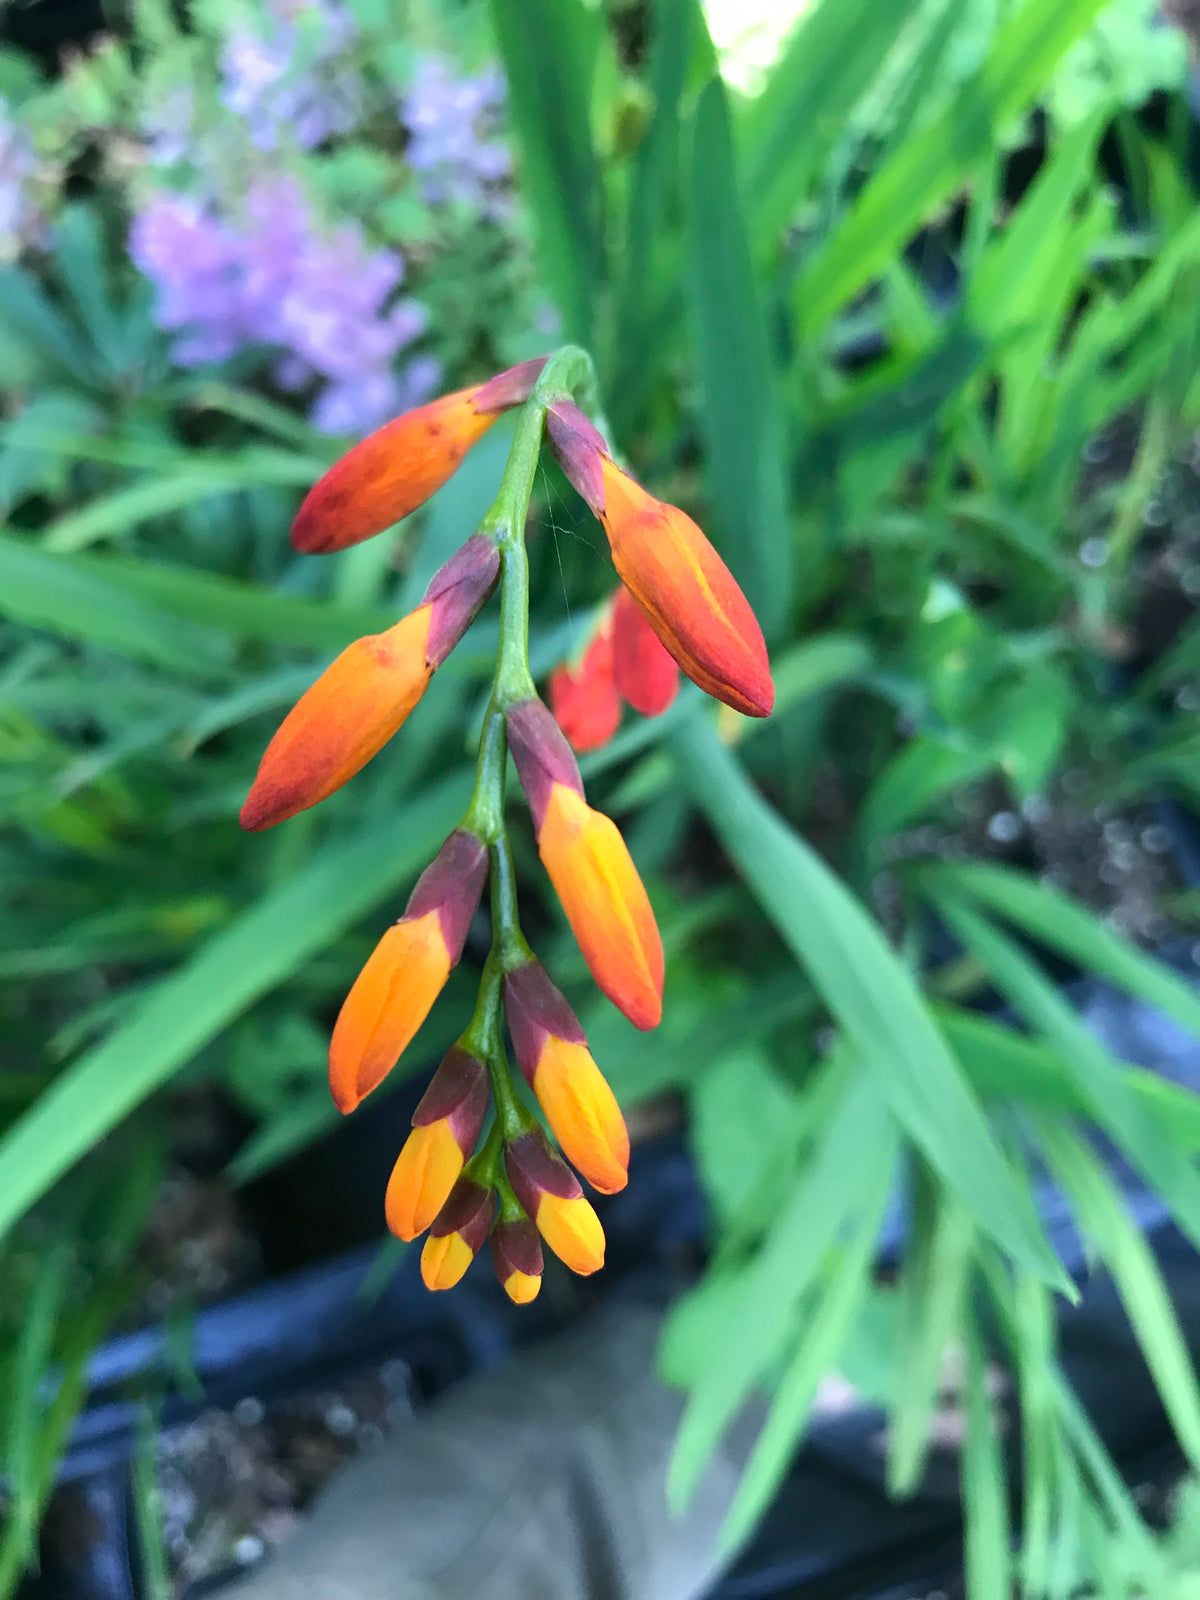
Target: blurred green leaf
(43,590)
(549,49)
(924,170)
(868,990)
(987,1554)
(739,416)
(269,941)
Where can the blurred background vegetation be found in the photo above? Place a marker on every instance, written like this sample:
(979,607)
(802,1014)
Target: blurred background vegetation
(903,302)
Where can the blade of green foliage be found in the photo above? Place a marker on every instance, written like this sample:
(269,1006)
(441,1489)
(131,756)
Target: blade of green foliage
(867,988)
(1009,1066)
(1033,1322)
(738,413)
(1149,1142)
(1053,919)
(792,126)
(833,1309)
(148,1508)
(549,49)
(243,610)
(935,1276)
(33,1358)
(47,591)
(917,775)
(270,940)
(1104,1220)
(926,168)
(651,262)
(987,1553)
(857,1137)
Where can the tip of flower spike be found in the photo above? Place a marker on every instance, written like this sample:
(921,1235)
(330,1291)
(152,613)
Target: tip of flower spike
(521,1288)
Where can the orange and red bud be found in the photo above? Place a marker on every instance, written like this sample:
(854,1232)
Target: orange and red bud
(517,1259)
(685,590)
(366,695)
(550,1194)
(644,673)
(590,867)
(446,1126)
(457,1234)
(397,468)
(394,992)
(584,698)
(551,1048)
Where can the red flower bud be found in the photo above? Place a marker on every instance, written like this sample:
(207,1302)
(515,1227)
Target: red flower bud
(686,591)
(584,698)
(517,1258)
(552,1051)
(393,993)
(457,1234)
(397,468)
(645,674)
(590,868)
(550,1193)
(359,702)
(446,1126)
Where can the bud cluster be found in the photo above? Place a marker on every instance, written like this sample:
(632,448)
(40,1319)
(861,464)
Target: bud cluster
(678,607)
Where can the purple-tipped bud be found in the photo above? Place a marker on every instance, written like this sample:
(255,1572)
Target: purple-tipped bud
(457,1234)
(542,755)
(580,448)
(457,593)
(517,1259)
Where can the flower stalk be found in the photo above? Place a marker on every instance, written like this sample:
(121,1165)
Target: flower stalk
(515,1187)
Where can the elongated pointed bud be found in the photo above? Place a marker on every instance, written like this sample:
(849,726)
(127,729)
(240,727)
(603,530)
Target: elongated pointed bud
(457,1234)
(552,1050)
(393,993)
(590,868)
(446,1126)
(583,695)
(366,695)
(550,1193)
(517,1259)
(686,591)
(644,673)
(397,468)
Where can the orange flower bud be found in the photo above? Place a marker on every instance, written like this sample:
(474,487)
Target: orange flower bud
(457,1234)
(686,591)
(551,1048)
(644,673)
(397,468)
(446,1125)
(517,1259)
(550,1193)
(584,699)
(590,868)
(359,702)
(393,993)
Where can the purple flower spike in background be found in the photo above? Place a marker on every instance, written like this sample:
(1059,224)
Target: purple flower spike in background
(288,82)
(451,123)
(271,276)
(21,220)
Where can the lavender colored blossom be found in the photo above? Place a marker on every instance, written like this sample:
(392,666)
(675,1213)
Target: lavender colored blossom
(452,143)
(271,276)
(20,218)
(283,81)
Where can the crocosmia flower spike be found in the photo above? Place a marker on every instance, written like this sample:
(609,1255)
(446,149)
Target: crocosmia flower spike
(446,1128)
(457,1234)
(517,1259)
(550,1194)
(552,1051)
(359,702)
(394,992)
(590,868)
(686,591)
(476,1164)
(397,468)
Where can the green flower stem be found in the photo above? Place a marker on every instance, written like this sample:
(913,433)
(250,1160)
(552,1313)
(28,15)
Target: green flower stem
(567,371)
